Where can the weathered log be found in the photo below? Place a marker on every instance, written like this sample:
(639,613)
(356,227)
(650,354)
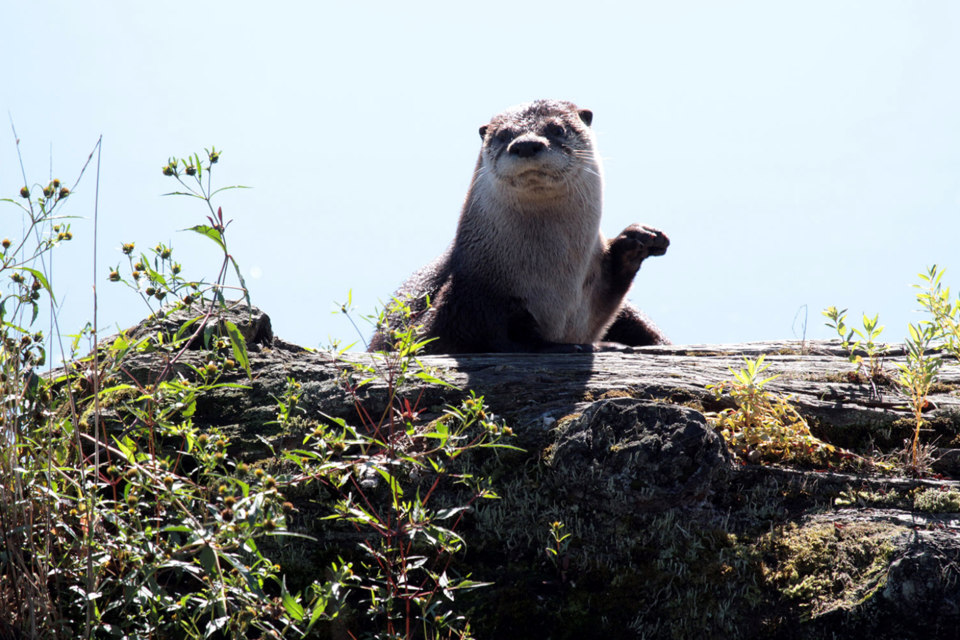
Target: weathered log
(672,537)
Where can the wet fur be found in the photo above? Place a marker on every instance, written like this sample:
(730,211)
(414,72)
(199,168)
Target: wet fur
(529,269)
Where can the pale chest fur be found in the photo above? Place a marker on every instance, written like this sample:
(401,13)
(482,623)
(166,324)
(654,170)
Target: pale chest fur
(549,257)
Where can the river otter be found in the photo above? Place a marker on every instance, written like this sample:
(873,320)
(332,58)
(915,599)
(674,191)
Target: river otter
(529,270)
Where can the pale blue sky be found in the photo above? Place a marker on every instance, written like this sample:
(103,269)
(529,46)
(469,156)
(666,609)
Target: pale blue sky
(795,153)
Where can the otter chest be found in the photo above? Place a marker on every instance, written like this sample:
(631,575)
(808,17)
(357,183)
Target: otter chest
(553,276)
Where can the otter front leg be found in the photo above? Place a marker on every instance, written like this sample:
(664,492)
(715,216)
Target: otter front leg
(628,251)
(623,258)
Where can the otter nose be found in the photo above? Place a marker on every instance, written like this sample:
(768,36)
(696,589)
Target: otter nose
(526,148)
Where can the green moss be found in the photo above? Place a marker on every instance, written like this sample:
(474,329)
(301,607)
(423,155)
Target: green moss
(858,498)
(825,567)
(940,387)
(110,403)
(937,501)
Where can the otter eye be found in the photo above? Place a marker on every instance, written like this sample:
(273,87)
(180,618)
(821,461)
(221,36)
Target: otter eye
(556,130)
(504,135)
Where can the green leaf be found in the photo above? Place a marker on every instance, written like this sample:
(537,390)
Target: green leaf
(429,379)
(252,582)
(318,609)
(236,186)
(176,529)
(210,232)
(243,283)
(395,488)
(155,276)
(41,279)
(215,625)
(239,346)
(294,608)
(183,193)
(179,335)
(208,560)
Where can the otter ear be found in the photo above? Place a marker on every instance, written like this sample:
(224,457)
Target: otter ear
(587,116)
(483,132)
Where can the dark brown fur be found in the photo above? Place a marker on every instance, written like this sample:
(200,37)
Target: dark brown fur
(529,270)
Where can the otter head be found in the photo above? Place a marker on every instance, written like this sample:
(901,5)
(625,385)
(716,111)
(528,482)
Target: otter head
(540,149)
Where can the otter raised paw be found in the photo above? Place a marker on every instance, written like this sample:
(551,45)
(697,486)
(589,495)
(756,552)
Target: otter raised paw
(627,252)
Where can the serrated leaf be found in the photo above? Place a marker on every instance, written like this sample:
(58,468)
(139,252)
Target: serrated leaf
(294,608)
(210,232)
(41,279)
(239,346)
